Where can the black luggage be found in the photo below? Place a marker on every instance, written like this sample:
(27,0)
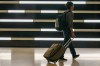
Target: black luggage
(61,22)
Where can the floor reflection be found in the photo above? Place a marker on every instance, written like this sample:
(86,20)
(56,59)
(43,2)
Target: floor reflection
(63,63)
(75,63)
(51,64)
(34,57)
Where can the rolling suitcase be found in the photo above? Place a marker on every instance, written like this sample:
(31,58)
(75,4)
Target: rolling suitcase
(54,53)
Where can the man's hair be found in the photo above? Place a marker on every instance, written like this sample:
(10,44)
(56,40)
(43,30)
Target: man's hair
(69,4)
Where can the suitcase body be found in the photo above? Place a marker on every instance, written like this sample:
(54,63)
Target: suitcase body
(54,53)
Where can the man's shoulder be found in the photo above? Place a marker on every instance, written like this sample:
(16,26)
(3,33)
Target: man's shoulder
(70,13)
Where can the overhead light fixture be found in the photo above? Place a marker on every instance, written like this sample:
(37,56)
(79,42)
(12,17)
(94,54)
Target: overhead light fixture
(61,39)
(16,11)
(5,38)
(49,11)
(49,39)
(92,21)
(86,39)
(43,29)
(50,2)
(16,20)
(45,20)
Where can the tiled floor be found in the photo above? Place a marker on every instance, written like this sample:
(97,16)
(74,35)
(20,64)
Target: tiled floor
(34,57)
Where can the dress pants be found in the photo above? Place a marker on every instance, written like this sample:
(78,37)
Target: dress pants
(67,36)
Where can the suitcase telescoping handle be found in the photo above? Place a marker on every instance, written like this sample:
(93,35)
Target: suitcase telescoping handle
(68,42)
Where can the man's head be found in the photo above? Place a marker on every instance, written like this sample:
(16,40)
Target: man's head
(70,5)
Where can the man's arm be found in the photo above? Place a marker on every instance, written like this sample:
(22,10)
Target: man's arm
(70,24)
(72,33)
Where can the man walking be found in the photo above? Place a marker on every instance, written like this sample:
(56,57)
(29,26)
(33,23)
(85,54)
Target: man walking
(68,31)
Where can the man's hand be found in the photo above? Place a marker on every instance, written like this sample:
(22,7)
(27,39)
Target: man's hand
(73,35)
